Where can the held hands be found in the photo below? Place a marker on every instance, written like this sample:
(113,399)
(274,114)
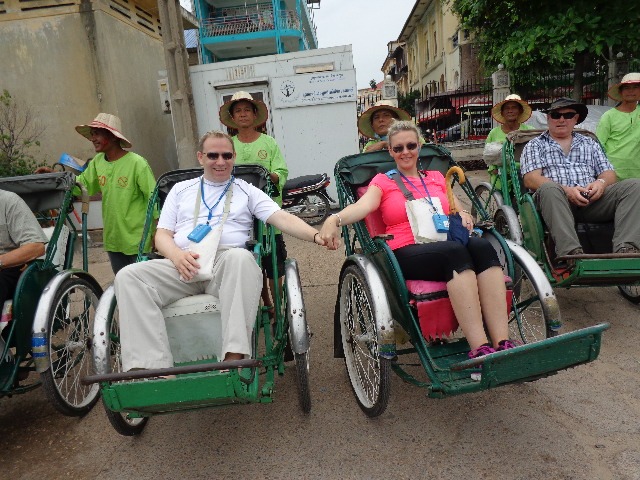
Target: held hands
(186,264)
(330,234)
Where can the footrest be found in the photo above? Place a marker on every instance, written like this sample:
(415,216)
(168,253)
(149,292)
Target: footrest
(201,389)
(536,360)
(160,372)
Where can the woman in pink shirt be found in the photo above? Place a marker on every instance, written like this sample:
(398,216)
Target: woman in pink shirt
(473,273)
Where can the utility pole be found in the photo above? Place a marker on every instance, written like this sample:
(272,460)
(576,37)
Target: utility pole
(177,61)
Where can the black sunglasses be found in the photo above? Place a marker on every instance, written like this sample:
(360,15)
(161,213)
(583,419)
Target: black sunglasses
(411,146)
(565,115)
(215,155)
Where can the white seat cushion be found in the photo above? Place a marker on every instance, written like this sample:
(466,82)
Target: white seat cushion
(202,303)
(194,328)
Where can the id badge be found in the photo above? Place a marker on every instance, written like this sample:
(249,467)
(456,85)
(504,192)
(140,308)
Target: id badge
(441,222)
(199,233)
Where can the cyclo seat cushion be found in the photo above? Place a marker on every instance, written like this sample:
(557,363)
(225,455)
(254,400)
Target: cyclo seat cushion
(429,298)
(194,328)
(200,303)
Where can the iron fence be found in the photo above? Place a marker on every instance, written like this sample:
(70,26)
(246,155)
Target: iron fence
(463,114)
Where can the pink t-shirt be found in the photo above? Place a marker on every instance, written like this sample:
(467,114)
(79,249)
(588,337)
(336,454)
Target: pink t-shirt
(392,206)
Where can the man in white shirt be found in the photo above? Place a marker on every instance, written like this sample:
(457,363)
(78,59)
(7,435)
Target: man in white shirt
(143,289)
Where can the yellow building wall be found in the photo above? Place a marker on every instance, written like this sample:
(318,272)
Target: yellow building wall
(431,55)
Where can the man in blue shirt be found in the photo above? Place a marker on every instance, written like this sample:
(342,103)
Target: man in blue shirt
(574,181)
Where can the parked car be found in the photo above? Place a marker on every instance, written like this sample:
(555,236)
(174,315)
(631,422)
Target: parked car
(479,130)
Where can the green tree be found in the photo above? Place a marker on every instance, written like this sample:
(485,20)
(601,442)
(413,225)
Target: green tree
(408,102)
(548,37)
(372,84)
(19,133)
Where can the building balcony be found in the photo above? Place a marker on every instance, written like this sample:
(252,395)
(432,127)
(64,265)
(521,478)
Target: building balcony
(258,32)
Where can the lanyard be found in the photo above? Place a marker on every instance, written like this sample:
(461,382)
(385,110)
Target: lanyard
(430,202)
(217,201)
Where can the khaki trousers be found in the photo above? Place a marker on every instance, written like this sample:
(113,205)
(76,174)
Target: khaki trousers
(620,203)
(143,289)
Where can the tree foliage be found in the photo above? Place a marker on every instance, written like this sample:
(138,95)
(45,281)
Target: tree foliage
(546,36)
(408,102)
(373,84)
(19,133)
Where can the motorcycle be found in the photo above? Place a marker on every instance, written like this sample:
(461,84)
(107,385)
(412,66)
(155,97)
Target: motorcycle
(306,197)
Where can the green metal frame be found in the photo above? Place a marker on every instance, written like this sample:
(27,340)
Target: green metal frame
(587,272)
(446,365)
(18,334)
(211,389)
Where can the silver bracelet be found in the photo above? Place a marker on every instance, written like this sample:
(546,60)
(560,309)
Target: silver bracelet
(339,219)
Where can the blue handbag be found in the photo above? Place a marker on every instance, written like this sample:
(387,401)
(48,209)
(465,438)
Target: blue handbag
(457,231)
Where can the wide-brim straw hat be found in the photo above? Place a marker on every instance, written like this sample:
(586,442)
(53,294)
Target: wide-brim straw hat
(560,103)
(364,122)
(105,121)
(629,78)
(261,110)
(496,111)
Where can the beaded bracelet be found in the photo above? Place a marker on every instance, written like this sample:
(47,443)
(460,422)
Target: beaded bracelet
(339,219)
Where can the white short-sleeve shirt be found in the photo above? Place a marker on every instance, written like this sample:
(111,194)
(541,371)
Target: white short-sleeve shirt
(247,202)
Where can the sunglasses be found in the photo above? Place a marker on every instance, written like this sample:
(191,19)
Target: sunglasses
(565,115)
(411,146)
(215,155)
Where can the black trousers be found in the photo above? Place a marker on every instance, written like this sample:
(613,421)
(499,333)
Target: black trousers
(120,260)
(8,281)
(436,261)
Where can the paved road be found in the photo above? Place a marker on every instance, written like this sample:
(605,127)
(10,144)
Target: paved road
(579,424)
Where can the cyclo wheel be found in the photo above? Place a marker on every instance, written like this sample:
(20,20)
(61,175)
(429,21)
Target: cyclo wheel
(302,379)
(527,321)
(297,325)
(70,331)
(120,421)
(630,292)
(504,225)
(489,199)
(368,372)
(315,208)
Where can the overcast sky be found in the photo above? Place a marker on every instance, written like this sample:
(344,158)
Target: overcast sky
(368,25)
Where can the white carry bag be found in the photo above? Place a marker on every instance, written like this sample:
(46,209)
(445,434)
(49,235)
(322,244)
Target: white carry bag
(492,154)
(421,218)
(207,248)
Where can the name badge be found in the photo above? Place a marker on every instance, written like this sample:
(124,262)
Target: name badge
(441,222)
(199,233)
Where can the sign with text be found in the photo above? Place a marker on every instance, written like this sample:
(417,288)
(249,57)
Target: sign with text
(314,89)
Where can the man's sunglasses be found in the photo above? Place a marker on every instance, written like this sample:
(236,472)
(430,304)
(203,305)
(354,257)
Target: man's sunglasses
(411,146)
(565,115)
(215,155)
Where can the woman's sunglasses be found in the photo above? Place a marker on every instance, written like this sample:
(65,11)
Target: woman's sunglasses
(411,146)
(565,115)
(215,155)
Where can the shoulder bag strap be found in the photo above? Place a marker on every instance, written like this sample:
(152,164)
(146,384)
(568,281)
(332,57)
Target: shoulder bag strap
(395,176)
